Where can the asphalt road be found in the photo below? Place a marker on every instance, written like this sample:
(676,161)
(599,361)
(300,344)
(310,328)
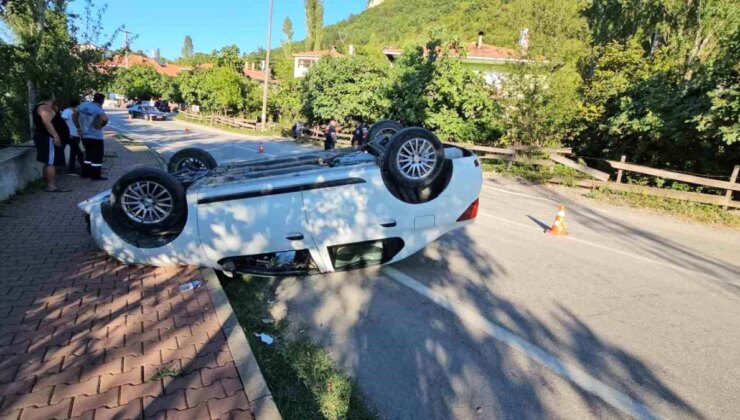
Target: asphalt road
(633,314)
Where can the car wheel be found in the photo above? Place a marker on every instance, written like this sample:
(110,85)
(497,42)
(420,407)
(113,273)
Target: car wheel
(415,157)
(381,132)
(148,200)
(192,159)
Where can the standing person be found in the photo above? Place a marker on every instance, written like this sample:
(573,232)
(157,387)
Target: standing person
(330,141)
(297,130)
(92,119)
(48,143)
(75,154)
(359,137)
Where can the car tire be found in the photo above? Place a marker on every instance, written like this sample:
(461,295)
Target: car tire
(383,131)
(191,158)
(414,158)
(148,200)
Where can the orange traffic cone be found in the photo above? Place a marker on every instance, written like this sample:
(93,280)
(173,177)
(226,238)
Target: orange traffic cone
(261,149)
(558,226)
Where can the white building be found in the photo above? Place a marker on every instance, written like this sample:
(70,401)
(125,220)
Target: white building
(303,61)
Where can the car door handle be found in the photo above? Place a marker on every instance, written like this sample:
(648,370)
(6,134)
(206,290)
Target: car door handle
(388,223)
(294,236)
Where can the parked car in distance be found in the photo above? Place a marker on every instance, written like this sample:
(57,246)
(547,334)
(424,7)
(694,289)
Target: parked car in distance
(147,112)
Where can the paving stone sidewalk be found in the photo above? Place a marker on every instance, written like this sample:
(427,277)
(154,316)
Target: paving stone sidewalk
(83,336)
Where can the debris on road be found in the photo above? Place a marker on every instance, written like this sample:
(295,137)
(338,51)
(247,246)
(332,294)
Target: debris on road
(190,285)
(266,338)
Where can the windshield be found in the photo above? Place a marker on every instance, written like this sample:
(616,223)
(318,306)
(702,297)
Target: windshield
(147,108)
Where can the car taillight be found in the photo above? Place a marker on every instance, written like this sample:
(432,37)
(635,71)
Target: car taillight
(470,213)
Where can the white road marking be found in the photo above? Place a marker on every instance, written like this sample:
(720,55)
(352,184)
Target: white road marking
(573,374)
(607,248)
(518,194)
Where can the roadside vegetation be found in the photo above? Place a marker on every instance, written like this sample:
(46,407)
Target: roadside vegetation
(658,82)
(537,174)
(300,373)
(706,213)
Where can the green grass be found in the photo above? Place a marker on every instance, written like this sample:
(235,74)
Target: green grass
(270,133)
(163,373)
(706,213)
(301,375)
(537,174)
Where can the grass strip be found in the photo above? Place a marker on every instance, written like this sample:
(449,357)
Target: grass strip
(301,375)
(706,213)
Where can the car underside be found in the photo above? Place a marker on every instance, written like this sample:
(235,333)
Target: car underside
(299,214)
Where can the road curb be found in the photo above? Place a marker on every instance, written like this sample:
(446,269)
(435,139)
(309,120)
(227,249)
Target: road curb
(135,138)
(255,387)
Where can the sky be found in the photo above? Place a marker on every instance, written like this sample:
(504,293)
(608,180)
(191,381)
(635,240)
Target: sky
(211,24)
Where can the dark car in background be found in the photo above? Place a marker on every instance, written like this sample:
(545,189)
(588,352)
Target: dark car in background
(147,112)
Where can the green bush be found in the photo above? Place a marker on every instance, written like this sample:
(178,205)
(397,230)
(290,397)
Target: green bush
(346,87)
(140,81)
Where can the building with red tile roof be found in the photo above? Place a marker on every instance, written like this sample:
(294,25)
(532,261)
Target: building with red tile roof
(136,59)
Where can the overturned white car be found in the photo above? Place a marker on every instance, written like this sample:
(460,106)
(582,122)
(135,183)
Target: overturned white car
(301,214)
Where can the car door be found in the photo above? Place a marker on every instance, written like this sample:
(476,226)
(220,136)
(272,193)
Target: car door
(354,208)
(252,222)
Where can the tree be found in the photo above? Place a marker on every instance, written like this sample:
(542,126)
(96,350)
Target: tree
(51,55)
(314,23)
(219,89)
(143,82)
(437,91)
(288,101)
(187,47)
(346,87)
(230,57)
(288,28)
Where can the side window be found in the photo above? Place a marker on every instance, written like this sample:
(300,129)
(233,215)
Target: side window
(364,254)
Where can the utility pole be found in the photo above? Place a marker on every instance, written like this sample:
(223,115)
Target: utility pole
(266,71)
(125,46)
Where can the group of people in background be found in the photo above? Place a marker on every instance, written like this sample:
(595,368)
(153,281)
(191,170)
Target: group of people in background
(61,123)
(359,136)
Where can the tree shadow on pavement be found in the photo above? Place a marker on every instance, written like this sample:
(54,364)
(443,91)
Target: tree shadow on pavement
(644,242)
(414,359)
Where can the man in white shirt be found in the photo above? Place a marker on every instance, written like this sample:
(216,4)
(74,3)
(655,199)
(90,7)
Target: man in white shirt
(75,154)
(92,119)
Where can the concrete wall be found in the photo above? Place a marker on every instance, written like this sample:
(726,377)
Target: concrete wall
(18,167)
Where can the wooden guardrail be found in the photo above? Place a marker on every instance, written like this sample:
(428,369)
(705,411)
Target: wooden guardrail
(555,156)
(603,179)
(317,134)
(723,200)
(234,122)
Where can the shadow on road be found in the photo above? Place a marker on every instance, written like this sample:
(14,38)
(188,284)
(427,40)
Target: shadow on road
(644,242)
(415,360)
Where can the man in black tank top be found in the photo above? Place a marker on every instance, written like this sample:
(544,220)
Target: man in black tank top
(48,141)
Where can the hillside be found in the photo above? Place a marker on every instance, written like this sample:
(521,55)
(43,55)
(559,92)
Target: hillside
(398,22)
